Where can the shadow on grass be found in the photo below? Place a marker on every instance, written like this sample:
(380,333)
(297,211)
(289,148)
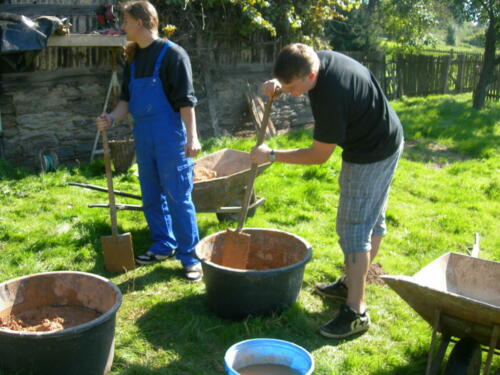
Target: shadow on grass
(416,365)
(200,338)
(196,339)
(156,275)
(8,172)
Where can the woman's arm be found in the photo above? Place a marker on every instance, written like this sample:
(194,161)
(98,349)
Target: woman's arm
(193,146)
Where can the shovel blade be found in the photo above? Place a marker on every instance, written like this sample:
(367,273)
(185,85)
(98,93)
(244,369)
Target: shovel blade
(235,248)
(118,252)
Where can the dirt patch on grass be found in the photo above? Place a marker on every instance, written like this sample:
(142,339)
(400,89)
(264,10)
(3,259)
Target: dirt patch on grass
(374,274)
(433,154)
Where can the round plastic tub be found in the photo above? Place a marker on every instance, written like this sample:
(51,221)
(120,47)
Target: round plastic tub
(272,282)
(263,351)
(84,349)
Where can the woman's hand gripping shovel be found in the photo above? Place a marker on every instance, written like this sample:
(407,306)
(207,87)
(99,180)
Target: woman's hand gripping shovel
(236,244)
(117,248)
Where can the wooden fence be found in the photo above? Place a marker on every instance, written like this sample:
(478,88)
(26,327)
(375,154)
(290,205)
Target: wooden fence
(420,75)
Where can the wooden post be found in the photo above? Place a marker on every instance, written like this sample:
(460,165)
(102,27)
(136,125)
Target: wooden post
(460,73)
(446,72)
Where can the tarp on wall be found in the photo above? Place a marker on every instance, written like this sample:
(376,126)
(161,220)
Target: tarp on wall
(19,33)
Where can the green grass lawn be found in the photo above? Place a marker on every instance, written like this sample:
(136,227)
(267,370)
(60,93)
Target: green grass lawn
(446,189)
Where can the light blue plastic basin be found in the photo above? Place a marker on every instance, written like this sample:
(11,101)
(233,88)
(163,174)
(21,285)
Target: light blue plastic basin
(268,351)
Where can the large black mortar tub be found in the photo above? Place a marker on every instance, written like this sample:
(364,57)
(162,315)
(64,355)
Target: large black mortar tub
(85,349)
(236,293)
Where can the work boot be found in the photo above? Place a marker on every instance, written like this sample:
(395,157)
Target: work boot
(336,290)
(346,323)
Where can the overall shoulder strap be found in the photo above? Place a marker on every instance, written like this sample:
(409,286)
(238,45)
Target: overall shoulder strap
(160,57)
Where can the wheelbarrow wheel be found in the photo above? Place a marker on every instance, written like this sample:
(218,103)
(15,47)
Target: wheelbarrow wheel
(234,216)
(465,358)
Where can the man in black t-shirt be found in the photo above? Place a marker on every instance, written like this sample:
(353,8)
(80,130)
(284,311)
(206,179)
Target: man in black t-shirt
(350,110)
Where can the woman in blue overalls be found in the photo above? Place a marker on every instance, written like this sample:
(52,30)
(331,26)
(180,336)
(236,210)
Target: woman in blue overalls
(158,91)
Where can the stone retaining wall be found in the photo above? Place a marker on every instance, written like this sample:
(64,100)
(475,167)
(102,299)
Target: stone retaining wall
(55,111)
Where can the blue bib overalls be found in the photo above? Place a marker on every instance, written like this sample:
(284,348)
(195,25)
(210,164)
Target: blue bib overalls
(165,173)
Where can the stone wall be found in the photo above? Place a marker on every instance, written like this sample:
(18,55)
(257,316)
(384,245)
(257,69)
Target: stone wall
(223,100)
(52,112)
(55,111)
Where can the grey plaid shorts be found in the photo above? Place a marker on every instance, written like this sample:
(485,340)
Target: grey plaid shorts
(364,189)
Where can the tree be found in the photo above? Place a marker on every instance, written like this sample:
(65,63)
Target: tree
(485,12)
(358,30)
(450,36)
(292,20)
(409,22)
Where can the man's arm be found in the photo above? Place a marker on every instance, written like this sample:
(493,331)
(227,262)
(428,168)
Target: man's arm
(318,153)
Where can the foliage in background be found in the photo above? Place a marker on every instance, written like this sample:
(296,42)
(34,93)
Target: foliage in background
(291,20)
(358,30)
(409,23)
(476,39)
(486,12)
(451,38)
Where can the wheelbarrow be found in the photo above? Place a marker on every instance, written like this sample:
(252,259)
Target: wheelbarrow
(222,194)
(459,296)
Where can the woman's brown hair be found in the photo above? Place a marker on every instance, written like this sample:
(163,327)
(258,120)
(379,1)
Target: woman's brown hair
(144,11)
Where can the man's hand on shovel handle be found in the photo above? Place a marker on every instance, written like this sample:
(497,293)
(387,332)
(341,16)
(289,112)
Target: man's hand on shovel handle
(260,154)
(271,88)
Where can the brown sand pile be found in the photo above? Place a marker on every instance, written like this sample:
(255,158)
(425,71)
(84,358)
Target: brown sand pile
(202,174)
(48,318)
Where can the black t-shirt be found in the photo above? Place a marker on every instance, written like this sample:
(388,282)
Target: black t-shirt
(175,73)
(351,110)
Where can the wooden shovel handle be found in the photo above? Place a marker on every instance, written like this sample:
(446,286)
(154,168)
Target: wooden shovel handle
(253,170)
(109,178)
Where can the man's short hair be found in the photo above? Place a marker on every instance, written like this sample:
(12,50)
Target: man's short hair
(294,61)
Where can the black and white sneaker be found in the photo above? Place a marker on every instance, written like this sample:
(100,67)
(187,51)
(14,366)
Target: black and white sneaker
(150,258)
(194,272)
(346,323)
(336,290)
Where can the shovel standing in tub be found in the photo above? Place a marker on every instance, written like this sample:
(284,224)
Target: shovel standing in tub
(350,110)
(236,244)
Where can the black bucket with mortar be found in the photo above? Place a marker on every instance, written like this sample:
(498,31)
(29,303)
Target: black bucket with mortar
(270,284)
(84,349)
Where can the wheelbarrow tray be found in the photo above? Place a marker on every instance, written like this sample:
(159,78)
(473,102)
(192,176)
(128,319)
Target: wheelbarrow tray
(232,168)
(464,289)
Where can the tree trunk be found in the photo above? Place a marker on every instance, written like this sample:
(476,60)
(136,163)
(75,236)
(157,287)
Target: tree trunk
(479,95)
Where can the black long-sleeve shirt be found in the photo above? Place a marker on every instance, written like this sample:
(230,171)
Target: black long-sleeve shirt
(175,73)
